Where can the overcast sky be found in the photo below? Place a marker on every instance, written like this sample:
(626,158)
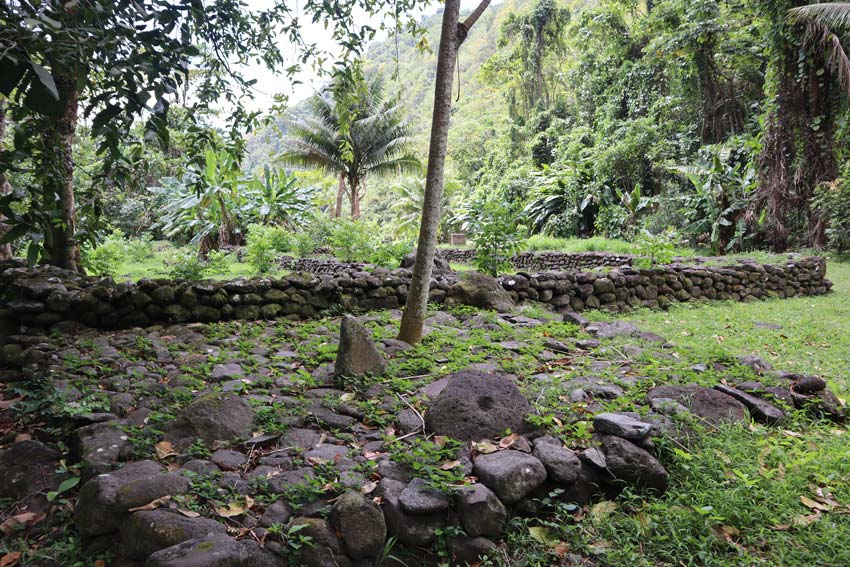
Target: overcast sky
(268,84)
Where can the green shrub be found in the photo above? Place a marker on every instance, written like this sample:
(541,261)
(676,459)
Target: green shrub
(833,204)
(656,248)
(303,244)
(264,245)
(186,264)
(104,259)
(389,254)
(496,235)
(353,241)
(139,249)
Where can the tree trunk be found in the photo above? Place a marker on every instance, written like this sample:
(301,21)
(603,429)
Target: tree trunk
(59,184)
(452,35)
(5,188)
(340,193)
(795,157)
(354,190)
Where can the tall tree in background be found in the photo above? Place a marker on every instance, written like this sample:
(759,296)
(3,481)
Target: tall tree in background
(452,35)
(534,35)
(798,153)
(375,141)
(5,188)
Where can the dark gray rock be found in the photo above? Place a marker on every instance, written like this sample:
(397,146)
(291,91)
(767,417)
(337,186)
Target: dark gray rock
(105,500)
(215,419)
(621,426)
(480,510)
(27,468)
(476,405)
(357,354)
(562,464)
(229,460)
(759,409)
(226,371)
(409,529)
(480,290)
(418,499)
(361,524)
(100,445)
(216,550)
(710,405)
(757,363)
(277,513)
(512,475)
(325,549)
(809,385)
(628,462)
(469,550)
(576,319)
(612,330)
(200,467)
(146,532)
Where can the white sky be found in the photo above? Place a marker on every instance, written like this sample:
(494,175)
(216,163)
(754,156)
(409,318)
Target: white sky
(268,84)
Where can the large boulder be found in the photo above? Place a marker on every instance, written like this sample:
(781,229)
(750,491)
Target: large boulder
(710,405)
(480,290)
(361,524)
(357,354)
(27,468)
(512,475)
(216,419)
(107,498)
(148,531)
(476,405)
(215,550)
(629,463)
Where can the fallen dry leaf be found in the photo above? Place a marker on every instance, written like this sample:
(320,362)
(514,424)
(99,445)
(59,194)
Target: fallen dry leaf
(369,488)
(188,513)
(164,449)
(152,505)
(809,503)
(235,507)
(22,520)
(506,442)
(10,559)
(486,447)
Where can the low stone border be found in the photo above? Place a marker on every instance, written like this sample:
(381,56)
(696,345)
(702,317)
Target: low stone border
(556,261)
(50,298)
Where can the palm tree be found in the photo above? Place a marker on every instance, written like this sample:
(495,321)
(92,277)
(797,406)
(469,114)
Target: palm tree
(377,141)
(824,22)
(411,197)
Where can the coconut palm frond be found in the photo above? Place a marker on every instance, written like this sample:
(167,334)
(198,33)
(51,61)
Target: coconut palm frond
(835,15)
(822,25)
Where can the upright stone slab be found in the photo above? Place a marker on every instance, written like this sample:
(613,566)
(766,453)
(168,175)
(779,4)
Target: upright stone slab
(357,354)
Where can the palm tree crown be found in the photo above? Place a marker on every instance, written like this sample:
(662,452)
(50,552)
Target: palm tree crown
(377,141)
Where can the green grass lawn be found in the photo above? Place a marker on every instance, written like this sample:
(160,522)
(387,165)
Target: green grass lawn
(813,334)
(158,266)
